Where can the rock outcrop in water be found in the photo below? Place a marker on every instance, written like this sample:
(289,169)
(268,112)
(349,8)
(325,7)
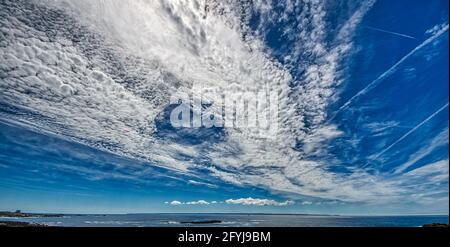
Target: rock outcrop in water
(18,213)
(19,224)
(435,225)
(202,222)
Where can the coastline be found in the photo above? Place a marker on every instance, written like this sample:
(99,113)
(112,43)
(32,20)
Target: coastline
(20,224)
(19,219)
(19,214)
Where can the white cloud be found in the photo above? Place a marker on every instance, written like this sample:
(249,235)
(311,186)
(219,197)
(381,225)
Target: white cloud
(436,29)
(258,202)
(176,203)
(199,202)
(190,181)
(438,141)
(435,172)
(243,201)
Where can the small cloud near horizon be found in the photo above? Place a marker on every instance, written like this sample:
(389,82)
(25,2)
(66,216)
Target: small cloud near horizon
(241,201)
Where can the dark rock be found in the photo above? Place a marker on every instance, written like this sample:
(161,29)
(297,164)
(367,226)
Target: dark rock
(19,224)
(17,213)
(202,222)
(435,225)
(13,214)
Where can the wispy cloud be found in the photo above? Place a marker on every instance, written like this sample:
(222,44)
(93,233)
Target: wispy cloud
(435,172)
(390,32)
(438,141)
(412,130)
(190,181)
(391,70)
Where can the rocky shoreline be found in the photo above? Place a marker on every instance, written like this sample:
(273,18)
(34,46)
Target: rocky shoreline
(435,225)
(19,214)
(200,222)
(13,219)
(24,215)
(19,224)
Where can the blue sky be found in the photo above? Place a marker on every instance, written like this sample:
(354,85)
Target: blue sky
(83,110)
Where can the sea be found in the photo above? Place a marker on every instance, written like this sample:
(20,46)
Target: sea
(231,220)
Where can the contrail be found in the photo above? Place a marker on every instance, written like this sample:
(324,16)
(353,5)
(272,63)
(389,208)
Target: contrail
(390,71)
(412,130)
(390,32)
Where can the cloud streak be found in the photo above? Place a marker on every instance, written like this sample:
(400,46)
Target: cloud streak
(390,32)
(391,70)
(412,130)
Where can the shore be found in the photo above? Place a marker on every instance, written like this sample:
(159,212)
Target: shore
(19,224)
(24,215)
(21,219)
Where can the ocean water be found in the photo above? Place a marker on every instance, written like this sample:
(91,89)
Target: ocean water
(232,220)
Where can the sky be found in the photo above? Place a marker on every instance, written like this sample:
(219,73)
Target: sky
(85,89)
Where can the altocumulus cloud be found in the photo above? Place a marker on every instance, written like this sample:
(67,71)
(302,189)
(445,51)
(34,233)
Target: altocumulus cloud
(91,73)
